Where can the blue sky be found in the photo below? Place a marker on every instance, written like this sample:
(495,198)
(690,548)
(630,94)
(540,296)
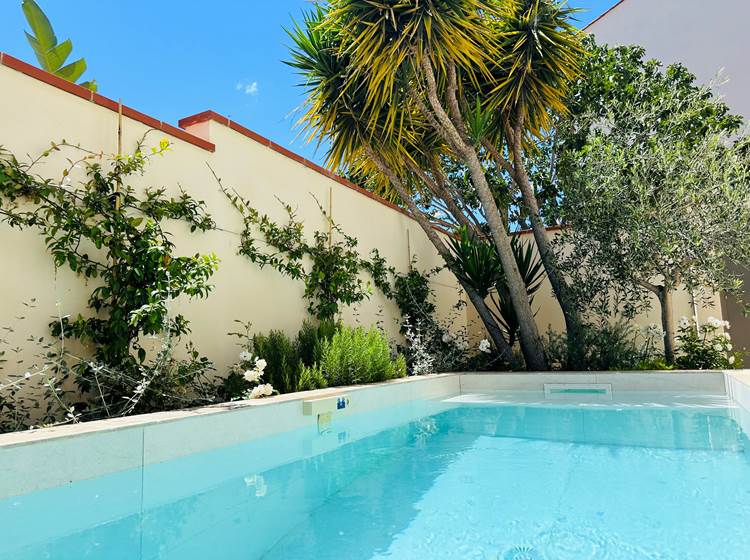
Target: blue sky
(174,58)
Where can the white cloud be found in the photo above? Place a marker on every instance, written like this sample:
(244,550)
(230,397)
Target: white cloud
(248,88)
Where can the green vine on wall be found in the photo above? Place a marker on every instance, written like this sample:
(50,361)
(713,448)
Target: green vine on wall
(330,265)
(103,228)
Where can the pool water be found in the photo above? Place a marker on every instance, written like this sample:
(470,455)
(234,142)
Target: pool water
(484,479)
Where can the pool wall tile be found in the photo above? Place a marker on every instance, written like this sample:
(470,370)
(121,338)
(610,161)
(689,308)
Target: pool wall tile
(689,382)
(99,448)
(738,389)
(518,381)
(57,462)
(709,382)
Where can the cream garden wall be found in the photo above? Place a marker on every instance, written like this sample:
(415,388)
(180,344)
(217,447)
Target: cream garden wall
(33,113)
(37,109)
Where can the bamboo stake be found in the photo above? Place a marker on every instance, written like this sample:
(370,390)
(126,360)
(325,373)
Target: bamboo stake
(119,151)
(330,217)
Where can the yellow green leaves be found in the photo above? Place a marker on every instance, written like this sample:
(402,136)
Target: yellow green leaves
(52,55)
(541,53)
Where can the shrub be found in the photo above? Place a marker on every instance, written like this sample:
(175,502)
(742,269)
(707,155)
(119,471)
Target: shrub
(310,341)
(311,378)
(706,347)
(600,347)
(431,346)
(278,350)
(355,356)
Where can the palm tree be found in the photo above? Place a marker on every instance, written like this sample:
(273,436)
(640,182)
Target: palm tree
(400,83)
(338,113)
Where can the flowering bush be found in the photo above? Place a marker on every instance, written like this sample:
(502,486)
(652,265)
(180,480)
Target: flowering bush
(244,380)
(708,346)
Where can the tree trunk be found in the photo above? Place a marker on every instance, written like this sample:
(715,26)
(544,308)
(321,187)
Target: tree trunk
(479,304)
(531,343)
(667,323)
(559,285)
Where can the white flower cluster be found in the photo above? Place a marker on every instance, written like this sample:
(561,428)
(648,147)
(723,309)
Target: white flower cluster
(261,391)
(484,346)
(460,344)
(718,323)
(254,374)
(684,322)
(246,356)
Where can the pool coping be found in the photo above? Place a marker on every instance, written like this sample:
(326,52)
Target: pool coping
(13,439)
(143,420)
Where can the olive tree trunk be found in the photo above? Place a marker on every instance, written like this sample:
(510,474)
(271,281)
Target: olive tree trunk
(667,323)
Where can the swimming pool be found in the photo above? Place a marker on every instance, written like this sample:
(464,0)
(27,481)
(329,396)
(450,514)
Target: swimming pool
(494,475)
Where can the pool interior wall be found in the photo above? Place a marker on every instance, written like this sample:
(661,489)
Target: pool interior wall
(90,450)
(126,456)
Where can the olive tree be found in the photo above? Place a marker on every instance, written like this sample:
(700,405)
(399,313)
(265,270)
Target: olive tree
(654,182)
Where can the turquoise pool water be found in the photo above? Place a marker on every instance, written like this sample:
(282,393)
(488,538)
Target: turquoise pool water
(489,479)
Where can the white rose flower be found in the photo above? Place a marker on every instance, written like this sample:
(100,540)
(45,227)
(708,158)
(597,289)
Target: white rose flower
(731,360)
(684,322)
(260,364)
(245,356)
(261,391)
(717,347)
(252,375)
(484,346)
(729,347)
(462,345)
(727,325)
(447,337)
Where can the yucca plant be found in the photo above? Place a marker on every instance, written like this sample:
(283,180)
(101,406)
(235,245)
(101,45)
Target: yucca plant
(476,262)
(397,86)
(52,56)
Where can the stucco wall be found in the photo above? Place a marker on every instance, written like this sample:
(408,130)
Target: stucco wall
(549,316)
(33,113)
(708,37)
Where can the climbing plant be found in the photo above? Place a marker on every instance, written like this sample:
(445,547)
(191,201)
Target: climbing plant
(330,264)
(103,229)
